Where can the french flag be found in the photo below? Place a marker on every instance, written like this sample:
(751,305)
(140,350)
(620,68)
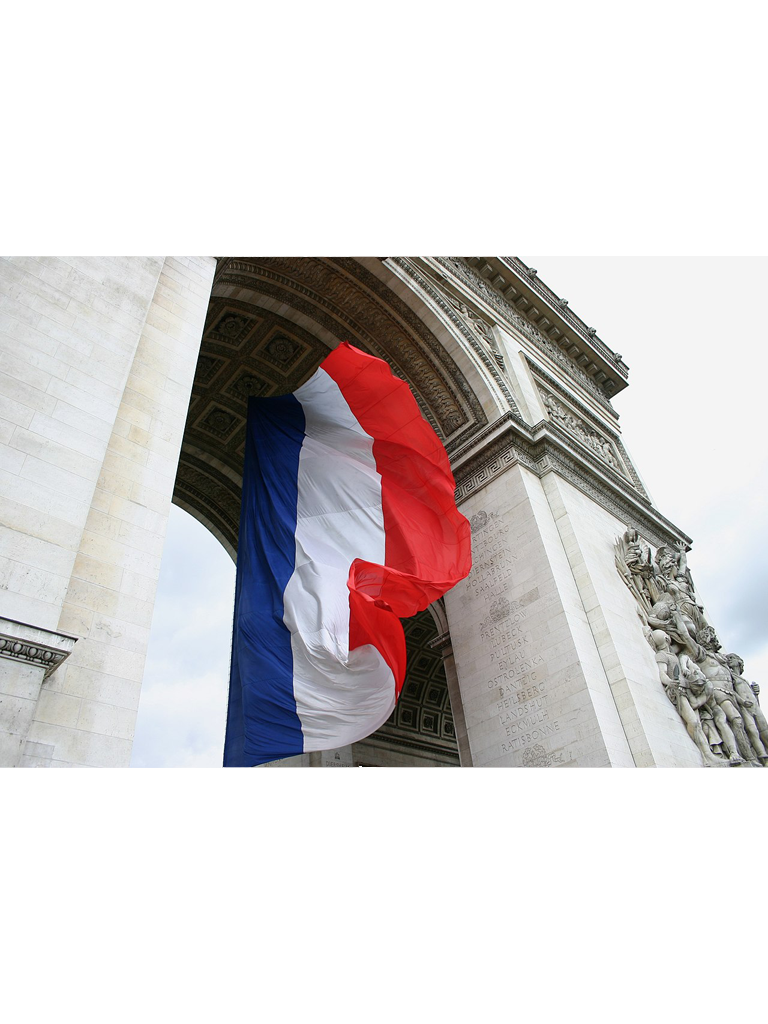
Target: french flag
(348,524)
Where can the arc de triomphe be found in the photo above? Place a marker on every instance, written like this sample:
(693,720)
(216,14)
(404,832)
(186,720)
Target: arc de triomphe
(578,638)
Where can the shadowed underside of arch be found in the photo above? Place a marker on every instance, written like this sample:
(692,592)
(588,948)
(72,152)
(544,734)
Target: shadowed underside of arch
(270,322)
(420,731)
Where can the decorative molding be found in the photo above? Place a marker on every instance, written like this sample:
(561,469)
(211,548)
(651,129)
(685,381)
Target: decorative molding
(33,645)
(589,334)
(547,448)
(330,292)
(469,326)
(205,488)
(543,380)
(441,643)
(583,431)
(471,279)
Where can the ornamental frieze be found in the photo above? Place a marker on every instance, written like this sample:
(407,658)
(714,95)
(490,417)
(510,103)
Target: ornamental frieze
(34,646)
(584,432)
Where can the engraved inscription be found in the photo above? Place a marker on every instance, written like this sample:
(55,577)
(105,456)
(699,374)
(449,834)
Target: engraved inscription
(518,699)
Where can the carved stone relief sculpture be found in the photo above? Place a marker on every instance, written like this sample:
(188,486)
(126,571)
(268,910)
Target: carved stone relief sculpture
(481,328)
(575,426)
(719,707)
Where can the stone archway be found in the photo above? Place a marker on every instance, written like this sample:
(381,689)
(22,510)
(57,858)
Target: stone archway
(270,322)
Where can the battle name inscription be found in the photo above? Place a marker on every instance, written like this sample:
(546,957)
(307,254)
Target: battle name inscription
(517,680)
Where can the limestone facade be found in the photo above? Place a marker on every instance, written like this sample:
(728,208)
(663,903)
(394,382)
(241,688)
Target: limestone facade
(123,386)
(98,357)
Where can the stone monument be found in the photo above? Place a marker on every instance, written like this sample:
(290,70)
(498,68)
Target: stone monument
(578,639)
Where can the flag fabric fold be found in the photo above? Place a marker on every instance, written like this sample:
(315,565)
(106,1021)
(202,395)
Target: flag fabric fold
(348,523)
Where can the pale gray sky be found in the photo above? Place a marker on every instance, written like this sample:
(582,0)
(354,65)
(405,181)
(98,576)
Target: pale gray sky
(692,419)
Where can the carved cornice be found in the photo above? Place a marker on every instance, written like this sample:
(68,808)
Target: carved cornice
(471,279)
(546,448)
(32,645)
(589,334)
(582,430)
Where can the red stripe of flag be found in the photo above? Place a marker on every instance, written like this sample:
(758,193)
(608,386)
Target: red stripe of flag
(427,539)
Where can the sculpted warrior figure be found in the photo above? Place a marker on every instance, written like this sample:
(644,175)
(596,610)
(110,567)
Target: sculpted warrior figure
(666,562)
(682,694)
(635,564)
(672,567)
(717,672)
(755,722)
(637,554)
(672,601)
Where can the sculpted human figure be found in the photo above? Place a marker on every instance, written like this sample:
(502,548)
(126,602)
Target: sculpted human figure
(666,563)
(673,567)
(719,707)
(635,564)
(608,454)
(637,554)
(755,722)
(709,711)
(693,613)
(680,693)
(717,672)
(671,601)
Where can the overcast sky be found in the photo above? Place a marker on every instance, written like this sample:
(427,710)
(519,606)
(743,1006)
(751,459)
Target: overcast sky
(692,419)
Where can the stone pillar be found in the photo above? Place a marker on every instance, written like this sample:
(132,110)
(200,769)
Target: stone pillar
(533,688)
(655,733)
(552,664)
(98,360)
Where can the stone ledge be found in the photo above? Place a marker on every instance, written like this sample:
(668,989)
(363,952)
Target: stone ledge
(33,645)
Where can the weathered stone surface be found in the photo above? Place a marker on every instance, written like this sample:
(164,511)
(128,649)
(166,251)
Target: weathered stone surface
(98,402)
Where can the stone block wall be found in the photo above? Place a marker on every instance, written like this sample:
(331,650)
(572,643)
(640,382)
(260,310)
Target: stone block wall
(553,667)
(98,356)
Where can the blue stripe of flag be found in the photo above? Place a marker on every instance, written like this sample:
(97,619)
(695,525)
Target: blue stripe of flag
(261,700)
